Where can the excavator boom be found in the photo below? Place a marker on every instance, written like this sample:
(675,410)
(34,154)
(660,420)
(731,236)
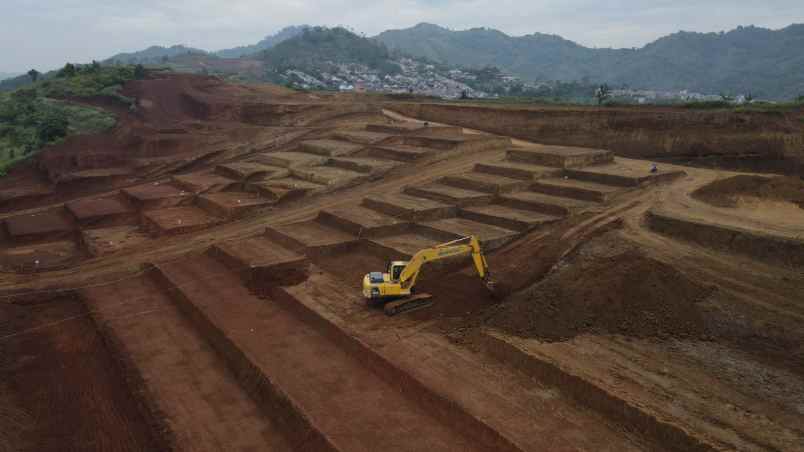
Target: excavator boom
(443,251)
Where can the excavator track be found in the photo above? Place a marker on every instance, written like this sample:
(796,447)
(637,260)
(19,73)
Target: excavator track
(408,304)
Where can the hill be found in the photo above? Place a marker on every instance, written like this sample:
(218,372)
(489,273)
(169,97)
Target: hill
(13,83)
(152,55)
(318,48)
(7,75)
(764,62)
(269,41)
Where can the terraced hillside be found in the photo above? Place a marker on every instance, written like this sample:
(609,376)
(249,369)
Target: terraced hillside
(223,292)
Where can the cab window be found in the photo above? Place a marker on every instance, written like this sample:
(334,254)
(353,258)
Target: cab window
(397,272)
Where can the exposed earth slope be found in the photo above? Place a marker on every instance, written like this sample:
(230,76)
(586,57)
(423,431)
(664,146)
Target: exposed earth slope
(191,281)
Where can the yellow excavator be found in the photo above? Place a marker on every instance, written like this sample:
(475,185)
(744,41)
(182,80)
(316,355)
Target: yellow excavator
(396,287)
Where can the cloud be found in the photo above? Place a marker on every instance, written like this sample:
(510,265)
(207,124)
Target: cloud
(48,33)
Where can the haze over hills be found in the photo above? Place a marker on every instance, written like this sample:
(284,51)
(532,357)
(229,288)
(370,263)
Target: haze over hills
(267,43)
(152,55)
(5,75)
(157,54)
(768,63)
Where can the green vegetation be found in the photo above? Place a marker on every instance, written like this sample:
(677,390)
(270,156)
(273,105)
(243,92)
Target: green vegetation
(75,80)
(89,81)
(33,116)
(29,122)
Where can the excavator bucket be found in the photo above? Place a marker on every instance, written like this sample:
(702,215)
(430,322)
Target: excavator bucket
(408,304)
(490,285)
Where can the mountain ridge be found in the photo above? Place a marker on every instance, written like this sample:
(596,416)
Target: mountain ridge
(746,59)
(763,62)
(265,44)
(152,55)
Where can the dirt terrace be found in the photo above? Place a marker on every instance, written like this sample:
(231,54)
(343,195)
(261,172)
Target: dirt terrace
(753,141)
(222,295)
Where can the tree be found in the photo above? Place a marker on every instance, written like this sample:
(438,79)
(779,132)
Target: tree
(68,70)
(53,124)
(139,72)
(749,98)
(464,94)
(34,74)
(602,93)
(23,106)
(726,97)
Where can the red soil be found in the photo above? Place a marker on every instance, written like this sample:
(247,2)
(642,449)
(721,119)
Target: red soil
(92,209)
(627,294)
(51,371)
(50,223)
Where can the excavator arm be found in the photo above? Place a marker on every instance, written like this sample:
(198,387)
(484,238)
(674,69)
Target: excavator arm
(460,247)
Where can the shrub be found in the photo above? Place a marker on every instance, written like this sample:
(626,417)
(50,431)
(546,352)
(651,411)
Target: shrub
(709,105)
(52,124)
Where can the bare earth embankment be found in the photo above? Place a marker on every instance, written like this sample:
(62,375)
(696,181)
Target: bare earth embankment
(192,279)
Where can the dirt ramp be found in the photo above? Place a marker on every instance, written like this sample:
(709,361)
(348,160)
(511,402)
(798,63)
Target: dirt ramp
(733,191)
(626,293)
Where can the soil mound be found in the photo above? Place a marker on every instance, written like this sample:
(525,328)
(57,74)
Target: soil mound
(730,192)
(626,293)
(455,294)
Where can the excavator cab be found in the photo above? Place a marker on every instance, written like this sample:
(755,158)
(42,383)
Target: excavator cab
(395,269)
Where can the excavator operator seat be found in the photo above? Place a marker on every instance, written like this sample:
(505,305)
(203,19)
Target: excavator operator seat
(395,270)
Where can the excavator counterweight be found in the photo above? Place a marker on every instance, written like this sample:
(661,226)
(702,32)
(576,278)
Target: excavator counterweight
(395,287)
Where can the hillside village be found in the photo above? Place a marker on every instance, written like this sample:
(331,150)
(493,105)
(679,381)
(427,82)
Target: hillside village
(414,77)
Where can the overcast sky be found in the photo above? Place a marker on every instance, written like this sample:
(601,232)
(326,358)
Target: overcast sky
(45,34)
